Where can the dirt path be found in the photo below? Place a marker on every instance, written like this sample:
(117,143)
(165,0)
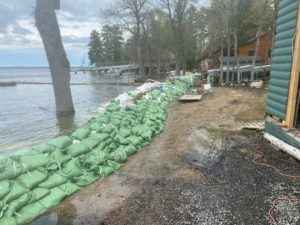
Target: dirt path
(193,173)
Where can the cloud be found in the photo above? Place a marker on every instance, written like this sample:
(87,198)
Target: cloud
(77,18)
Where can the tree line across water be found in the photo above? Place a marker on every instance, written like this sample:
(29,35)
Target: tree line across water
(181,33)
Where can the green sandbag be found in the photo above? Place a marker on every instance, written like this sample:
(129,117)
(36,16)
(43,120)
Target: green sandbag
(135,140)
(70,188)
(95,127)
(33,179)
(4,188)
(114,165)
(107,129)
(104,144)
(72,169)
(113,107)
(86,179)
(8,221)
(11,171)
(53,180)
(105,171)
(81,134)
(100,137)
(147,135)
(159,130)
(116,122)
(54,198)
(30,213)
(3,208)
(124,132)
(145,143)
(96,157)
(32,162)
(21,153)
(110,148)
(77,149)
(17,189)
(60,142)
(17,204)
(137,130)
(108,142)
(90,143)
(121,140)
(38,193)
(130,150)
(119,155)
(44,148)
(60,157)
(101,120)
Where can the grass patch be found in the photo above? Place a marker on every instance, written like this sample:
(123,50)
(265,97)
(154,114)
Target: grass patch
(256,112)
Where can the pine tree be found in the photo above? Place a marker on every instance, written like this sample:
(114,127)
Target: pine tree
(112,40)
(96,50)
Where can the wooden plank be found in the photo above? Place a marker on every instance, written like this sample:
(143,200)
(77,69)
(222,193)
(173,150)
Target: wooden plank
(188,98)
(291,150)
(294,78)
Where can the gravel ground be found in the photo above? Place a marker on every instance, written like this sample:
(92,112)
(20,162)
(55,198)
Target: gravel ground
(232,190)
(196,172)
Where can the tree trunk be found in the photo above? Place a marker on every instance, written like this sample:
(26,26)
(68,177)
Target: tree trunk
(255,54)
(228,56)
(139,48)
(183,62)
(178,60)
(259,30)
(237,58)
(149,49)
(222,62)
(47,25)
(268,47)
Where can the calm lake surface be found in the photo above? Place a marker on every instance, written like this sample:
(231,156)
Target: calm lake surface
(27,111)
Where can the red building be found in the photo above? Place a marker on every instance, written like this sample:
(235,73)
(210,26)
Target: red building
(265,47)
(248,49)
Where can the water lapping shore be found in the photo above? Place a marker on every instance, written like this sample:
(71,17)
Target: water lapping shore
(35,121)
(64,165)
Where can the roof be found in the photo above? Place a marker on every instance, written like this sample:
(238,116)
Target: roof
(253,39)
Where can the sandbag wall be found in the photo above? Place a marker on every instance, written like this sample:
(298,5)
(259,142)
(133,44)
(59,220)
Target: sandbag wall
(35,181)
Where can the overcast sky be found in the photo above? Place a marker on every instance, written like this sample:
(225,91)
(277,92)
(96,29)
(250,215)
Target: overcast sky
(20,43)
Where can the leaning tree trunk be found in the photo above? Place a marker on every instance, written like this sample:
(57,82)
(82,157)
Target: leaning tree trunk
(46,22)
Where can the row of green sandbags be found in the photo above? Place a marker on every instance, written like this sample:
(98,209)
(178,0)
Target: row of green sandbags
(35,181)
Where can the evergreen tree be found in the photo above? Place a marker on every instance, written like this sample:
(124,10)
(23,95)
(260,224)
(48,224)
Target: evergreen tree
(112,40)
(95,51)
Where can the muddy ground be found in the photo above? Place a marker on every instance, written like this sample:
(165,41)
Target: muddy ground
(198,171)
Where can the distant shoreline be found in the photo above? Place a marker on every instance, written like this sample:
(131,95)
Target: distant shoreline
(31,67)
(14,83)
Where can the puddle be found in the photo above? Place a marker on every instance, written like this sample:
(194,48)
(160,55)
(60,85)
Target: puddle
(205,149)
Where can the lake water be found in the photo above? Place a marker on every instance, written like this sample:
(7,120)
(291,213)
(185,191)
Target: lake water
(27,111)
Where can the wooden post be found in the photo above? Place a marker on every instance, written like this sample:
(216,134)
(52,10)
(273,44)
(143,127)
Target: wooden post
(294,78)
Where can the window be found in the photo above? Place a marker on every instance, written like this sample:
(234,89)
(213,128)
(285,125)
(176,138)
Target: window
(251,53)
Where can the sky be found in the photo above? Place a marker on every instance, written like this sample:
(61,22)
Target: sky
(20,42)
